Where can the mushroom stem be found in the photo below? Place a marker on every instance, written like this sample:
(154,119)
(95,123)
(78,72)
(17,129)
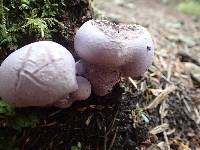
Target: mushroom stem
(101,78)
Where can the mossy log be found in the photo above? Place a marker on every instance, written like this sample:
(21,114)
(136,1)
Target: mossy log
(25,19)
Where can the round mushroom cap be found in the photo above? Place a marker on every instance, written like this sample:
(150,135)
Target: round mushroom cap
(83,91)
(38,74)
(101,42)
(142,55)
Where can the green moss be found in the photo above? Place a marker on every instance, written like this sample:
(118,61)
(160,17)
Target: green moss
(26,21)
(6,109)
(190,7)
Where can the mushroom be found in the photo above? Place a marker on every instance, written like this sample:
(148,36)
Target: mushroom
(109,51)
(102,78)
(39,74)
(82,93)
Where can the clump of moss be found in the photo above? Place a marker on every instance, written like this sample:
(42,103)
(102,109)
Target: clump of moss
(190,7)
(26,21)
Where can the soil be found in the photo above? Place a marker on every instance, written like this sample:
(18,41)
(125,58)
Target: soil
(128,118)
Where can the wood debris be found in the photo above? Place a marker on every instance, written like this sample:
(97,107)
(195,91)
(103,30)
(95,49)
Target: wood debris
(161,97)
(159,129)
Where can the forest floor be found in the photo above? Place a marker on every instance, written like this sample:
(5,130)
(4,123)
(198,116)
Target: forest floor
(160,111)
(175,72)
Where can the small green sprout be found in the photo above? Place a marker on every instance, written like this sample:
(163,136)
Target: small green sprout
(138,114)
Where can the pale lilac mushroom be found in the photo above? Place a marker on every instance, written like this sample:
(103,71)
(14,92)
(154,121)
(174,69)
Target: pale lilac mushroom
(109,51)
(102,78)
(82,93)
(39,74)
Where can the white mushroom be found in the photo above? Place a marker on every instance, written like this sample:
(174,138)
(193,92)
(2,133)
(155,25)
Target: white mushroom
(83,91)
(108,51)
(39,74)
(102,78)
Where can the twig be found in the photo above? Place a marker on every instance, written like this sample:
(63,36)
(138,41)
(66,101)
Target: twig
(113,140)
(54,113)
(163,111)
(187,106)
(159,129)
(48,125)
(132,82)
(162,75)
(169,72)
(111,125)
(166,140)
(109,130)
(105,139)
(162,122)
(161,97)
(196,112)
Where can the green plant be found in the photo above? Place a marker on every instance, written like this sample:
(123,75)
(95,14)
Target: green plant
(27,18)
(78,147)
(190,6)
(138,114)
(11,125)
(6,109)
(16,120)
(10,134)
(23,121)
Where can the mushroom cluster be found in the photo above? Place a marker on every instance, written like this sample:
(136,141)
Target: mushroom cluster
(45,73)
(109,51)
(41,74)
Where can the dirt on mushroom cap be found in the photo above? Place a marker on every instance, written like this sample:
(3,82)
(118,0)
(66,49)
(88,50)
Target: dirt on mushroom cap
(104,43)
(119,32)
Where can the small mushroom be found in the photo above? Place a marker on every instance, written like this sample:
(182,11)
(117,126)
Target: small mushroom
(109,51)
(82,93)
(39,74)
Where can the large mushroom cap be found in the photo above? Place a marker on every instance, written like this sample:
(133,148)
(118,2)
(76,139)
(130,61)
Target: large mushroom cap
(101,42)
(141,57)
(38,74)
